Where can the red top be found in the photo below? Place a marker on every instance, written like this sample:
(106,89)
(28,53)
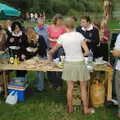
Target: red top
(54,33)
(106,34)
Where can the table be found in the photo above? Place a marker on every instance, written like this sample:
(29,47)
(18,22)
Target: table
(28,65)
(43,65)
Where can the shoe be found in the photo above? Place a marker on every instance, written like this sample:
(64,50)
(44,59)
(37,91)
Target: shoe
(90,111)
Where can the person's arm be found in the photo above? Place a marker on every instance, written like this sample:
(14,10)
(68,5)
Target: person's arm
(54,49)
(106,36)
(116,53)
(50,39)
(85,48)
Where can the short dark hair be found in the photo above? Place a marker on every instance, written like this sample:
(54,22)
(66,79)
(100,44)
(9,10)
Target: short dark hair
(16,23)
(56,17)
(87,18)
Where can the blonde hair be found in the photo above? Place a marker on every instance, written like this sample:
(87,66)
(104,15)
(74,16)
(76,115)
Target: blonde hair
(103,24)
(69,23)
(31,34)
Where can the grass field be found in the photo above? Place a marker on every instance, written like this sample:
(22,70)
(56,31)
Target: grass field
(51,104)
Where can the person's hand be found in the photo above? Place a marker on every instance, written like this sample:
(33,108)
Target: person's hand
(115,53)
(34,50)
(23,57)
(49,56)
(87,40)
(54,40)
(29,49)
(12,40)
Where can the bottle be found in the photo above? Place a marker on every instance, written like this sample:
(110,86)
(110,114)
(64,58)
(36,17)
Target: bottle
(16,60)
(11,59)
(90,57)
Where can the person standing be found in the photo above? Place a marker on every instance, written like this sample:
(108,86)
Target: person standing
(104,38)
(16,44)
(42,29)
(74,66)
(116,53)
(90,33)
(36,47)
(54,31)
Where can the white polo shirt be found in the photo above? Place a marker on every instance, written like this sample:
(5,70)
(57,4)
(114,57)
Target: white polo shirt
(71,43)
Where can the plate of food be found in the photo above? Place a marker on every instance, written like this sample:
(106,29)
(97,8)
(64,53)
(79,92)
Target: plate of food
(60,65)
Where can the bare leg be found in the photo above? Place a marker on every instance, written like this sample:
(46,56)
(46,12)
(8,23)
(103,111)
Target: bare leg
(70,95)
(83,88)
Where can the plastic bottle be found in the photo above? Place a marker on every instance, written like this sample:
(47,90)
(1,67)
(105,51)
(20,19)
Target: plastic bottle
(90,57)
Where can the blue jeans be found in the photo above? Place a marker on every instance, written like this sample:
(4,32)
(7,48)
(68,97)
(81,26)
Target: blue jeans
(39,82)
(55,77)
(40,76)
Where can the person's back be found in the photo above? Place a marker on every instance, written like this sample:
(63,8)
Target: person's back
(71,42)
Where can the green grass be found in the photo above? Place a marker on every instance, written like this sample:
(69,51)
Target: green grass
(114,24)
(49,105)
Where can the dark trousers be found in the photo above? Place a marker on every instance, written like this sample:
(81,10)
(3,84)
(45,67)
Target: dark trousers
(104,51)
(21,73)
(55,77)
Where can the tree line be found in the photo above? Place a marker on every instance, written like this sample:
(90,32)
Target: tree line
(57,6)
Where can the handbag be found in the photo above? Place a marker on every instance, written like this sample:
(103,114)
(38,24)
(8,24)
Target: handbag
(12,98)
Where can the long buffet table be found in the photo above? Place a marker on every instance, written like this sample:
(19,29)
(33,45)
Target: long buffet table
(43,65)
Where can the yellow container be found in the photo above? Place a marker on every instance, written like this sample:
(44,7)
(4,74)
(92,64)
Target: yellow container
(97,94)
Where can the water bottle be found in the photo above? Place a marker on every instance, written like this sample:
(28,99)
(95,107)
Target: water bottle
(90,57)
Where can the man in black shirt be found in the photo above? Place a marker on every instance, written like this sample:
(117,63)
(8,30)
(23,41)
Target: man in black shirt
(91,34)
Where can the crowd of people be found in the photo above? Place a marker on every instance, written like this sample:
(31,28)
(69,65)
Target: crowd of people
(33,17)
(60,38)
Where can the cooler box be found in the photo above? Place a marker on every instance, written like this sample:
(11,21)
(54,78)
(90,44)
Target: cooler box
(20,90)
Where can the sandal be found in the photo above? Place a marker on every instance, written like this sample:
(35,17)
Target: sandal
(90,111)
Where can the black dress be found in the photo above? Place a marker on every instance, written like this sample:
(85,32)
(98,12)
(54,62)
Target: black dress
(16,44)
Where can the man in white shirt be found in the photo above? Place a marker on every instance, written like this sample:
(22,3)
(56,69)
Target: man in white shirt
(116,53)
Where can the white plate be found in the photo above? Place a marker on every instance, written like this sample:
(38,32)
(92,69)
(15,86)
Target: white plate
(14,47)
(99,63)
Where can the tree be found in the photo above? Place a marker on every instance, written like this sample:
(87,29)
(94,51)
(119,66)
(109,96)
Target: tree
(107,8)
